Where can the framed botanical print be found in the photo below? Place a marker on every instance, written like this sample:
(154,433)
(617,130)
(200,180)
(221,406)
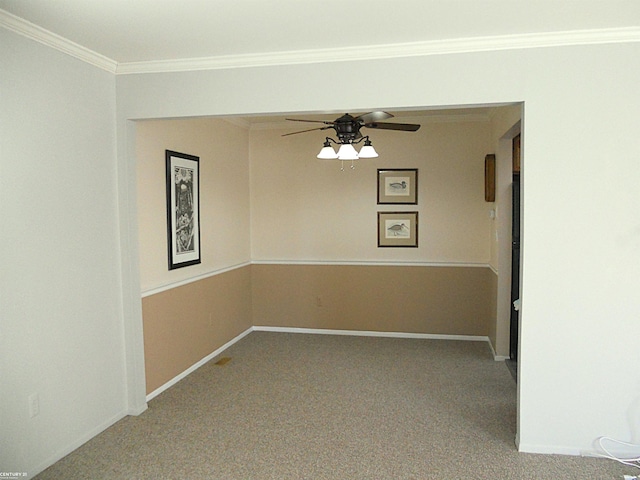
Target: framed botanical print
(399,186)
(183,209)
(398,229)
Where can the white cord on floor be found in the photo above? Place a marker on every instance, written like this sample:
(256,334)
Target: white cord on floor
(634,462)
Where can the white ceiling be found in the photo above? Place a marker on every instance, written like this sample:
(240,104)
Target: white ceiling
(136,33)
(159,30)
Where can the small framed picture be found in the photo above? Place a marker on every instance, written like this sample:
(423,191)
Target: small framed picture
(398,229)
(399,187)
(183,209)
(490,178)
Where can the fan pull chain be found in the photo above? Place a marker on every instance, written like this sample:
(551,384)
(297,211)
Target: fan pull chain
(352,166)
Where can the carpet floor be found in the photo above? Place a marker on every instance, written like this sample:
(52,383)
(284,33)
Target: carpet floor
(298,406)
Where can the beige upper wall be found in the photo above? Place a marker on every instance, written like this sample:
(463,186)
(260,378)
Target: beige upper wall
(224,195)
(305,209)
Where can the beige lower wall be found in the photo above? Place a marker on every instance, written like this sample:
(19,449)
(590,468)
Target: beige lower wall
(185,324)
(410,299)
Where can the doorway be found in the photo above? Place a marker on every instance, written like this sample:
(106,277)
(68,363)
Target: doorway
(514,322)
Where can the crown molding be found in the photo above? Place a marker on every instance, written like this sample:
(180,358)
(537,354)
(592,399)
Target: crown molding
(237,121)
(34,32)
(452,118)
(347,54)
(378,52)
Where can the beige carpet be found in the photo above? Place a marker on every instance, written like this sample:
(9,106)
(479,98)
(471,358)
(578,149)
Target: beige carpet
(297,406)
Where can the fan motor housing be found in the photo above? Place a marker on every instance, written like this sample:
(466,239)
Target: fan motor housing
(347,128)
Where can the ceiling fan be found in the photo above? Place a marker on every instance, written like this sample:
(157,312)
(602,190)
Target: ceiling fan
(347,128)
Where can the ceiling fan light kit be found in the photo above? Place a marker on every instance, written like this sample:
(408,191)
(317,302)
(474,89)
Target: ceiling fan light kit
(347,129)
(367,151)
(347,152)
(327,152)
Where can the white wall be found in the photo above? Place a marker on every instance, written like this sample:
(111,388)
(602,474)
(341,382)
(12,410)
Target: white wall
(581,231)
(61,330)
(65,204)
(581,248)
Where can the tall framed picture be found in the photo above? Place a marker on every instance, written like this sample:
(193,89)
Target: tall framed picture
(183,209)
(399,186)
(398,229)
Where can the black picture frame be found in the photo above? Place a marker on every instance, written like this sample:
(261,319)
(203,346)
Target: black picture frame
(398,186)
(183,209)
(398,229)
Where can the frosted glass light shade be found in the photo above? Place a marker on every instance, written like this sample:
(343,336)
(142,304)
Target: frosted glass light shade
(368,152)
(347,152)
(327,153)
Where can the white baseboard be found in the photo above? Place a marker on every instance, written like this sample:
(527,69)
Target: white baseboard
(496,357)
(59,455)
(613,449)
(367,333)
(137,411)
(92,433)
(549,449)
(317,331)
(194,367)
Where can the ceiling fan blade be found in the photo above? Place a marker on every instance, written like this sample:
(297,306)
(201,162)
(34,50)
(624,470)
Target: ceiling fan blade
(312,121)
(405,127)
(303,131)
(374,117)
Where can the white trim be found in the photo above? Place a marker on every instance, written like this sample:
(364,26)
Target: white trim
(170,286)
(368,333)
(346,54)
(197,365)
(453,118)
(375,263)
(496,357)
(186,281)
(549,449)
(237,121)
(34,32)
(378,52)
(314,331)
